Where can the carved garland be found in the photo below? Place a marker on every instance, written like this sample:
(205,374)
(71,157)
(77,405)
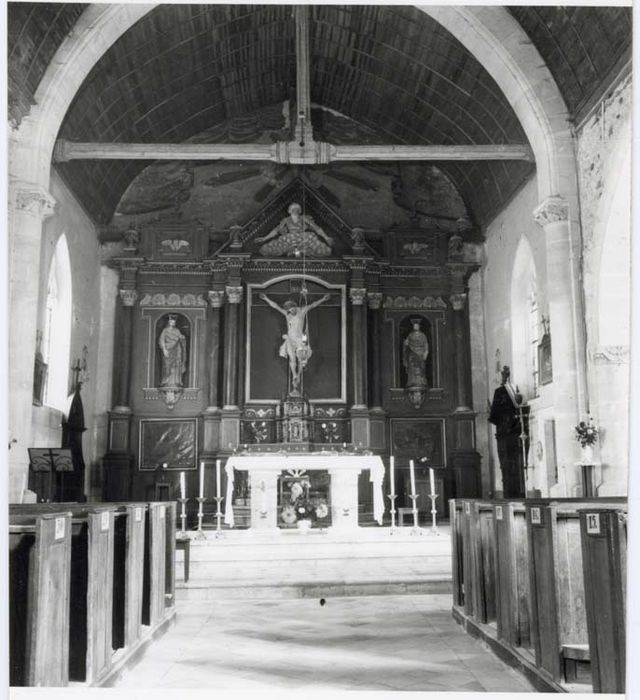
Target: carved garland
(414,302)
(190,300)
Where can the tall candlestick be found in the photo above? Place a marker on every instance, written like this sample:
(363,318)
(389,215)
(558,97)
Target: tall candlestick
(412,476)
(432,482)
(392,476)
(218,489)
(201,480)
(183,487)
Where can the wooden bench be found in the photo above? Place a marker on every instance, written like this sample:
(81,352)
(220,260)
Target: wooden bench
(604,539)
(512,574)
(482,570)
(39,574)
(457,560)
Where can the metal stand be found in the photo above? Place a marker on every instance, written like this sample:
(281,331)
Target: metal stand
(415,530)
(434,528)
(200,534)
(183,517)
(218,500)
(392,497)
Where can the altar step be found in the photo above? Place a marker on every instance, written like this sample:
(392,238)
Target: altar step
(245,565)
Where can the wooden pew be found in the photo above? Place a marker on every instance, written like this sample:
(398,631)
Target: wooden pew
(155,564)
(482,531)
(604,538)
(170,559)
(39,572)
(467,557)
(457,562)
(512,574)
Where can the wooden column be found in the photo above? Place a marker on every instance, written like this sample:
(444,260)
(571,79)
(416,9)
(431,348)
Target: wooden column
(375,388)
(358,331)
(216,299)
(234,295)
(461,344)
(128,298)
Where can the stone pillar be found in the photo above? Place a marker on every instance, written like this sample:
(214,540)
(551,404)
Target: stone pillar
(211,416)
(564,315)
(461,344)
(30,205)
(264,499)
(230,424)
(128,298)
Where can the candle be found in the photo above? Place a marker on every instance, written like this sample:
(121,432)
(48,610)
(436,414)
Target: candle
(201,479)
(412,476)
(218,489)
(432,482)
(183,486)
(392,476)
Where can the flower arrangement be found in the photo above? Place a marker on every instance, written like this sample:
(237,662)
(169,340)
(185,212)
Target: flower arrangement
(301,507)
(586,432)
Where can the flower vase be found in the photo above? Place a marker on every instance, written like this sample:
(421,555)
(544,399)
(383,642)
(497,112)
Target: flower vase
(587,454)
(304,526)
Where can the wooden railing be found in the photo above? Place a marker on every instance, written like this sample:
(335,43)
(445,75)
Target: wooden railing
(543,582)
(105,592)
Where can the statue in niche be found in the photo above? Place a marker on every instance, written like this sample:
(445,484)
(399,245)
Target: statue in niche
(296,346)
(296,235)
(511,421)
(415,350)
(173,346)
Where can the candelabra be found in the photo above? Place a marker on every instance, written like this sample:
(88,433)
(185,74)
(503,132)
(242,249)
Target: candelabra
(392,497)
(415,530)
(434,528)
(183,517)
(218,500)
(200,534)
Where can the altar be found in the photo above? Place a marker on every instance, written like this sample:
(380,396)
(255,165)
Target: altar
(264,469)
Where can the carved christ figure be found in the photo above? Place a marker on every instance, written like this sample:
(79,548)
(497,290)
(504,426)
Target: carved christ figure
(296,342)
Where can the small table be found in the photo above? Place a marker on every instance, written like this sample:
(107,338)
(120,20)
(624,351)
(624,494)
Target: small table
(184,544)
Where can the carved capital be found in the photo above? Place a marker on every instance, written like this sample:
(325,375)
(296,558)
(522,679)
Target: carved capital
(458,301)
(128,296)
(375,300)
(357,295)
(35,200)
(551,211)
(234,294)
(216,298)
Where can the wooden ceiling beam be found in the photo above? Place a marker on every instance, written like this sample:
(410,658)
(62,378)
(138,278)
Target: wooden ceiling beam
(292,152)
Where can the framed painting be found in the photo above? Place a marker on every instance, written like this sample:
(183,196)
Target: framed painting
(413,438)
(170,442)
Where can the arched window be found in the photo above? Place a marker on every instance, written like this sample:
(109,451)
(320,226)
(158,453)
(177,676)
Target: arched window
(57,327)
(525,322)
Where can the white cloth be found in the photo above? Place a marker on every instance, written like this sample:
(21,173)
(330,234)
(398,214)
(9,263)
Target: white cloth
(228,501)
(376,476)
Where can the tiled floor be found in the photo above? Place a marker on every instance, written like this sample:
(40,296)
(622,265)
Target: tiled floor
(378,643)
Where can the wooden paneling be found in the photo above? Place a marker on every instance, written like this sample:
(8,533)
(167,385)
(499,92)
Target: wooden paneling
(457,560)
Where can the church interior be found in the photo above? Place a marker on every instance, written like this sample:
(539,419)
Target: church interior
(319,303)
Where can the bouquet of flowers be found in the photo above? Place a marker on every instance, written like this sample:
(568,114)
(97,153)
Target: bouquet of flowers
(586,432)
(301,507)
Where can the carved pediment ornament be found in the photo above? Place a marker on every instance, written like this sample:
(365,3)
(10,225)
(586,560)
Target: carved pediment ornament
(414,302)
(173,300)
(611,354)
(553,210)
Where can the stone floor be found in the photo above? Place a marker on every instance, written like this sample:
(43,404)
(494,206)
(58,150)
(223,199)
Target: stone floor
(368,643)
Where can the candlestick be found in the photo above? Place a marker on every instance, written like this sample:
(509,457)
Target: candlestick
(392,476)
(218,478)
(218,500)
(201,492)
(412,476)
(183,486)
(415,530)
(392,498)
(183,517)
(200,534)
(432,481)
(434,528)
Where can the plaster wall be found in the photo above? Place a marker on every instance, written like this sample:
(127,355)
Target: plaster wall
(604,168)
(70,219)
(503,238)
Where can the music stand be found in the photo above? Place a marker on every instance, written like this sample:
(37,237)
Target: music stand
(49,460)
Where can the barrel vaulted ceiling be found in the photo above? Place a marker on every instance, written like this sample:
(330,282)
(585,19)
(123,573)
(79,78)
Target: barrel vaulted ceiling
(227,74)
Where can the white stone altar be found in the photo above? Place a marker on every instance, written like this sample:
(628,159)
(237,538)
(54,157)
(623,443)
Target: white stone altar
(265,468)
